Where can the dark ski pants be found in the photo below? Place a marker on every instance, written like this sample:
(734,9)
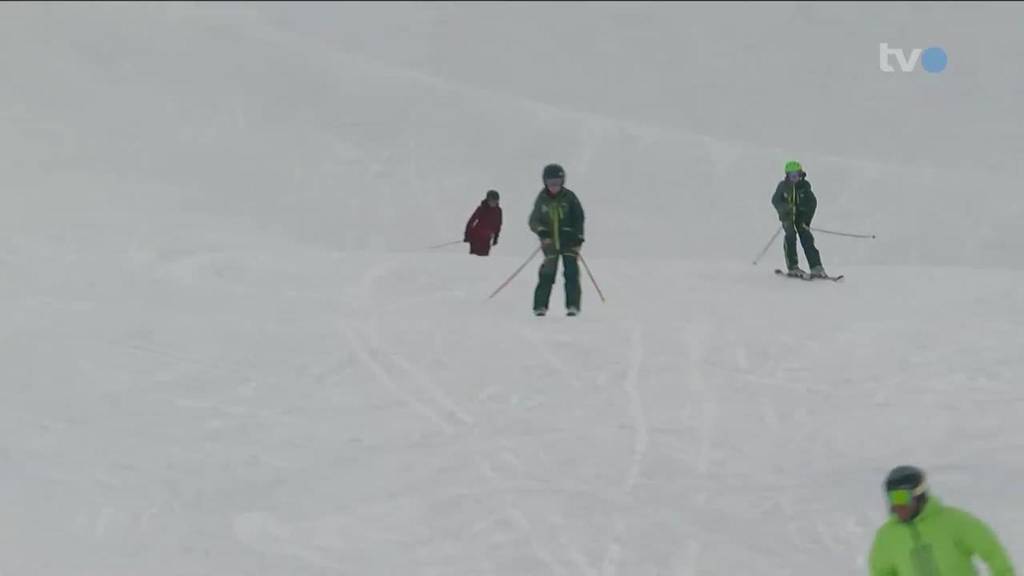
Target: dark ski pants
(546,279)
(806,240)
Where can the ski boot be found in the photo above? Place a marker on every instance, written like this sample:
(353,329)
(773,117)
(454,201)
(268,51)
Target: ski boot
(797,273)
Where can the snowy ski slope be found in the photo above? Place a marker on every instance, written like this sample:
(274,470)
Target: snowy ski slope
(224,349)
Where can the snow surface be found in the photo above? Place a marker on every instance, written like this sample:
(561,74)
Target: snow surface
(226,350)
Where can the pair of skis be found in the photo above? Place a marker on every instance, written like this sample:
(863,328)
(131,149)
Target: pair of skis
(809,277)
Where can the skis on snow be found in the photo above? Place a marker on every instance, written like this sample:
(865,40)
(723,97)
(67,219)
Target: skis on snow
(808,277)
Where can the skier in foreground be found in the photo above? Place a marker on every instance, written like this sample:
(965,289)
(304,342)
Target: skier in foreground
(557,220)
(795,202)
(925,538)
(484,225)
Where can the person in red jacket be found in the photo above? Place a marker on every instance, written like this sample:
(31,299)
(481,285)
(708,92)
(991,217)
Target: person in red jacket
(484,226)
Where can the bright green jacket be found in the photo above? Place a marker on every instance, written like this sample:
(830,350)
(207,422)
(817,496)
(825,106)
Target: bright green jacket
(940,542)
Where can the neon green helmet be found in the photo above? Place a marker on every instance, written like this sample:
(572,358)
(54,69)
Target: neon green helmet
(793,166)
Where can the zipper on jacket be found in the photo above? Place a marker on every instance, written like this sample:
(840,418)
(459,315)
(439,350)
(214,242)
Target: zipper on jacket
(556,222)
(793,203)
(922,557)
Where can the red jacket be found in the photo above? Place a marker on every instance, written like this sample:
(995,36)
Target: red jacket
(485,221)
(483,228)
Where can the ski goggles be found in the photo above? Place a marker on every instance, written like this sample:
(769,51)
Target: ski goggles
(901,497)
(904,496)
(554,181)
(794,175)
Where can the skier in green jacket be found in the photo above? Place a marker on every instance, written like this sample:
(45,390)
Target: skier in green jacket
(557,220)
(925,538)
(795,203)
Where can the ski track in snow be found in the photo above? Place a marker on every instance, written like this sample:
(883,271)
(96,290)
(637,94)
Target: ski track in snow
(446,411)
(382,376)
(533,338)
(577,558)
(419,376)
(365,291)
(636,409)
(614,552)
(535,545)
(266,533)
(708,417)
(708,406)
(641,439)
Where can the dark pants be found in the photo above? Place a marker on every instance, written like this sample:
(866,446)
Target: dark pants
(546,279)
(806,240)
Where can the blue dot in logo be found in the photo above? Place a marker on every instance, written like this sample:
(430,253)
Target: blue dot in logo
(934,60)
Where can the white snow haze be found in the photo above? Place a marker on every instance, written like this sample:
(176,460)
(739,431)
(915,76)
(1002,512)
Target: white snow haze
(227,348)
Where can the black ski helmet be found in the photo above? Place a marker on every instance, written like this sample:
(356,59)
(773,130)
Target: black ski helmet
(907,478)
(492,194)
(552,171)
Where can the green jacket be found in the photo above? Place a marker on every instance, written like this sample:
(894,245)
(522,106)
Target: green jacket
(795,203)
(559,218)
(939,542)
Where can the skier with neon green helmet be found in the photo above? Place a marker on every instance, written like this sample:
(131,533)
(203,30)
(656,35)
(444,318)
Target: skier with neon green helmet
(923,537)
(795,203)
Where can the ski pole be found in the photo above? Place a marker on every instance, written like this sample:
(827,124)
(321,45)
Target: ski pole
(452,243)
(848,235)
(514,274)
(587,268)
(767,246)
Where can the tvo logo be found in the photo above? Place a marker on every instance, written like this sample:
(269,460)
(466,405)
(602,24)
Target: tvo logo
(933,59)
